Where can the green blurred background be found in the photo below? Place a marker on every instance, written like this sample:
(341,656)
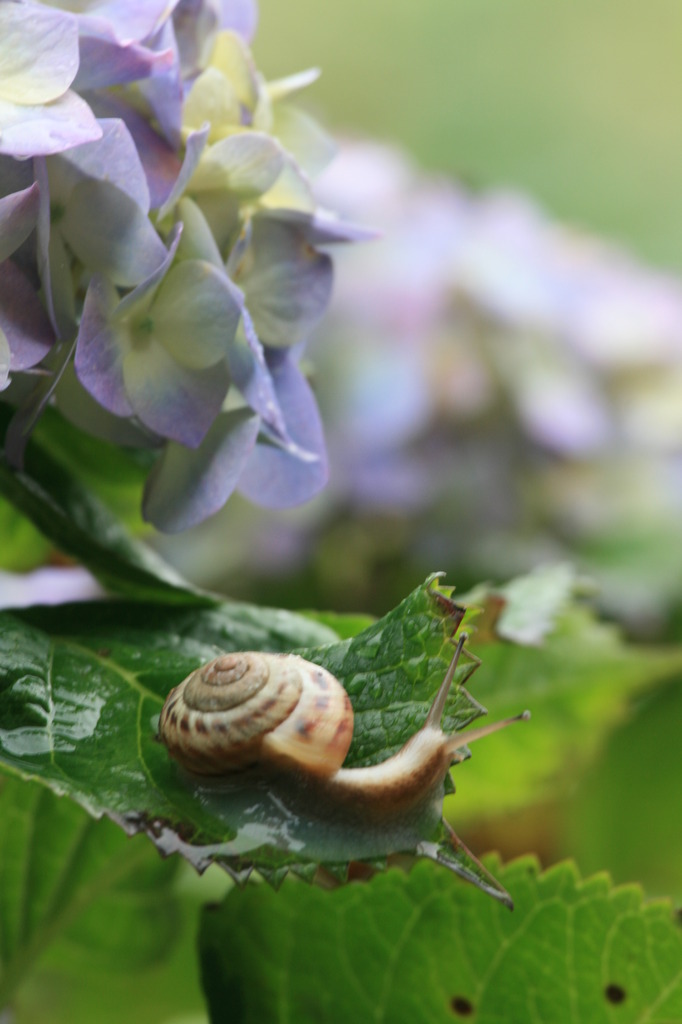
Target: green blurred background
(576,103)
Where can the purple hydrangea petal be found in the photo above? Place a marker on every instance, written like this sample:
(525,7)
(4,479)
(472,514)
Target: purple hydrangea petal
(110,234)
(161,165)
(277,478)
(41,130)
(323,227)
(100,351)
(164,91)
(126,21)
(39,48)
(140,298)
(240,16)
(196,23)
(287,283)
(173,401)
(18,217)
(104,62)
(251,375)
(79,407)
(196,312)
(22,318)
(186,486)
(194,147)
(112,158)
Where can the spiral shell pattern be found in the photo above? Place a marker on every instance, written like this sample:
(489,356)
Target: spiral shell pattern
(250,708)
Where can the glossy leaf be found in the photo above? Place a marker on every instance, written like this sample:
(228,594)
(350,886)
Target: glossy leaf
(82,686)
(424,948)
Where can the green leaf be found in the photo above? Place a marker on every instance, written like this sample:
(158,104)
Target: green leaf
(79,524)
(65,874)
(424,948)
(532,603)
(81,687)
(23,548)
(623,810)
(579,685)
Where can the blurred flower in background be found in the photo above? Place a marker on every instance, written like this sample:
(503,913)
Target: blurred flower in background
(160,260)
(497,390)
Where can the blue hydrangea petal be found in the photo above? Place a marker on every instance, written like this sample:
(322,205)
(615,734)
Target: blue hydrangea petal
(186,486)
(324,227)
(101,347)
(286,282)
(110,234)
(104,62)
(275,477)
(173,401)
(161,164)
(27,131)
(18,217)
(22,319)
(195,313)
(194,147)
(79,407)
(113,158)
(126,21)
(139,300)
(38,53)
(164,91)
(240,16)
(251,375)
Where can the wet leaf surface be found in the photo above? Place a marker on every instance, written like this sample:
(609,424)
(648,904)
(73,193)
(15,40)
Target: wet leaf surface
(82,687)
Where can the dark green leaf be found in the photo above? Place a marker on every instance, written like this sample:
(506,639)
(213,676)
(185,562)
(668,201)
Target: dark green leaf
(624,809)
(424,948)
(63,873)
(79,524)
(81,687)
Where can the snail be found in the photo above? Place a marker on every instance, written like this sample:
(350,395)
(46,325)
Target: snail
(293,721)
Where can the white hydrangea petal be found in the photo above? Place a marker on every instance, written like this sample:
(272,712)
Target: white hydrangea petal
(38,53)
(247,164)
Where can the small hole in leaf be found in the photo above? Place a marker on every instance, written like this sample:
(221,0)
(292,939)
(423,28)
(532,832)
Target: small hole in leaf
(461,1006)
(614,993)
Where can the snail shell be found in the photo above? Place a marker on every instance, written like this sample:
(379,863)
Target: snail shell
(294,721)
(250,708)
(280,711)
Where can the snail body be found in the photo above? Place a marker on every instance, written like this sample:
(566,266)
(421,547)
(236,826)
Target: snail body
(293,720)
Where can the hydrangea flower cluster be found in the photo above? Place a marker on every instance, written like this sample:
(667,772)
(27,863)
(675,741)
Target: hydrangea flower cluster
(159,237)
